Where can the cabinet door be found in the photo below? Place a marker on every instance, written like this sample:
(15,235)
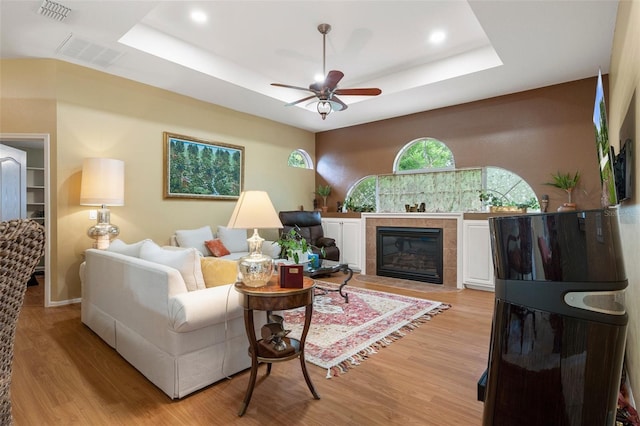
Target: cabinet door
(351,248)
(477,260)
(348,238)
(333,229)
(13,189)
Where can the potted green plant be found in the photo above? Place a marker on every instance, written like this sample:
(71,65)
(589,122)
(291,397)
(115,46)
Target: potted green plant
(323,191)
(567,183)
(501,204)
(293,246)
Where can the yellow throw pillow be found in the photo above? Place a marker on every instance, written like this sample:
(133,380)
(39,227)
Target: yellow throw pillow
(218,272)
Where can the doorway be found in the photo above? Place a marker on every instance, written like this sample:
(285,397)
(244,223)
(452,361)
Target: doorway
(39,207)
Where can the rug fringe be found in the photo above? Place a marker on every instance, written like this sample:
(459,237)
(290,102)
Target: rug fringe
(364,354)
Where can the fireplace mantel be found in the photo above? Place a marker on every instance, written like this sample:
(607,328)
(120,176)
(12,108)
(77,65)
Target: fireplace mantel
(425,215)
(451,223)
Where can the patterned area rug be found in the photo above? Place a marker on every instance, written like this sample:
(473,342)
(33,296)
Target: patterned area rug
(344,334)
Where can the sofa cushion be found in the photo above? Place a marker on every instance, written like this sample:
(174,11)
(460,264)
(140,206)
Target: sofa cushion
(216,248)
(218,272)
(133,249)
(195,238)
(186,260)
(233,239)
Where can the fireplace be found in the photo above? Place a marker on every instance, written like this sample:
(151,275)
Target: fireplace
(409,253)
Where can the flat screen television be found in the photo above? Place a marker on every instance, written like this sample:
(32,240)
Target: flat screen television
(605,158)
(623,165)
(623,168)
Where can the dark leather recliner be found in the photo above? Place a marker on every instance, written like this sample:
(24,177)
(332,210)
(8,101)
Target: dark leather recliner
(309,226)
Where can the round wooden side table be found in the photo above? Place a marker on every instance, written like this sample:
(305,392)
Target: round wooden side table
(269,298)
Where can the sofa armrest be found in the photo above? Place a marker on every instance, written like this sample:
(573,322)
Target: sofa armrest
(325,242)
(196,309)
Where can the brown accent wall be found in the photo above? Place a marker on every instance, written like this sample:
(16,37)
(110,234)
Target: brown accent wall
(533,133)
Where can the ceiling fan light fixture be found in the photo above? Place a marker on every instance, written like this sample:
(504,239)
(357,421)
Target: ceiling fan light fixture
(324,108)
(326,88)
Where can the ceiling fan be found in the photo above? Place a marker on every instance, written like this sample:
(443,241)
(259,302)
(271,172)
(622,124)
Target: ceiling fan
(327,90)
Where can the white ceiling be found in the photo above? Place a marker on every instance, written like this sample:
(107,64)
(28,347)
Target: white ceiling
(492,48)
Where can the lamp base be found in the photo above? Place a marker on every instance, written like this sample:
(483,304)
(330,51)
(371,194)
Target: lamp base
(255,269)
(103,231)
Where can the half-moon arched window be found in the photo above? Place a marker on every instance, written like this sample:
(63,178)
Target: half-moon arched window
(424,154)
(300,158)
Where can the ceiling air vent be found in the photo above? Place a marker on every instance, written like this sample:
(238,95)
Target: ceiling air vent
(53,10)
(86,51)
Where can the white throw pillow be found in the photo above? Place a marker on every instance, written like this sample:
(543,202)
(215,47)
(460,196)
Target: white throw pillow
(235,240)
(195,238)
(119,246)
(186,260)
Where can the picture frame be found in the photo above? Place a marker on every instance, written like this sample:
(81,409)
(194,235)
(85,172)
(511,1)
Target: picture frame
(200,169)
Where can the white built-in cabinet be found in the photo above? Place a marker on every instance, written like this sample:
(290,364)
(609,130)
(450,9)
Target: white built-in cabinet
(35,194)
(348,235)
(477,264)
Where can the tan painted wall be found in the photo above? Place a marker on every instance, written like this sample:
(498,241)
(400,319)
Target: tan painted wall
(100,115)
(624,81)
(28,105)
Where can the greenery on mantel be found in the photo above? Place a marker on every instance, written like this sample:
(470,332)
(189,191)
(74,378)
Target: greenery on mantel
(494,200)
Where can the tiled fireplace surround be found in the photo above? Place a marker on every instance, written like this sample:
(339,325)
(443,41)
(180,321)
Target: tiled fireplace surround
(451,224)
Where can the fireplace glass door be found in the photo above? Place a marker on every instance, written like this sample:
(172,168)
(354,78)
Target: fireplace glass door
(409,253)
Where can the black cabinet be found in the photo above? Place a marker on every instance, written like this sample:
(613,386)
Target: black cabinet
(559,322)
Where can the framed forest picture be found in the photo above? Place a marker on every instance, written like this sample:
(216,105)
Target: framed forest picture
(200,169)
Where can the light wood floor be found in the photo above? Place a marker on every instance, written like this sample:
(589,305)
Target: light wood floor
(65,375)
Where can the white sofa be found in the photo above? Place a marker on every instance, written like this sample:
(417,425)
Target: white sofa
(180,339)
(234,240)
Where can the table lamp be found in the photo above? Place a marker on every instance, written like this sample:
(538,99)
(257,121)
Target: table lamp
(255,210)
(102,185)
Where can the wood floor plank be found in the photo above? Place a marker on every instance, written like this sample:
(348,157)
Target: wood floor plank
(65,375)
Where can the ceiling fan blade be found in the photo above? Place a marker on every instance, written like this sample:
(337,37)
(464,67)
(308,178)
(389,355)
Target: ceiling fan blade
(290,87)
(342,105)
(330,82)
(300,100)
(370,91)
(332,79)
(315,87)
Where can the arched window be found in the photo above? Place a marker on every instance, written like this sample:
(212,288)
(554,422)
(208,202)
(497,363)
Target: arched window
(424,154)
(300,158)
(361,197)
(505,188)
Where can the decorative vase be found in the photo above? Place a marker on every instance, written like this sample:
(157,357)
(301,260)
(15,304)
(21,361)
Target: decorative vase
(324,209)
(303,257)
(567,207)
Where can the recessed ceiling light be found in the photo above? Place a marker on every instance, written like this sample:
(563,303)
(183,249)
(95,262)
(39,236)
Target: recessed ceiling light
(319,78)
(198,16)
(437,37)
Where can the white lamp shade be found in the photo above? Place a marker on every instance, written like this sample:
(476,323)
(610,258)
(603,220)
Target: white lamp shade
(102,182)
(254,210)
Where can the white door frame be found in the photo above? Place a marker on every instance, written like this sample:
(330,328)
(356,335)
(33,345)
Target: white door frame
(44,139)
